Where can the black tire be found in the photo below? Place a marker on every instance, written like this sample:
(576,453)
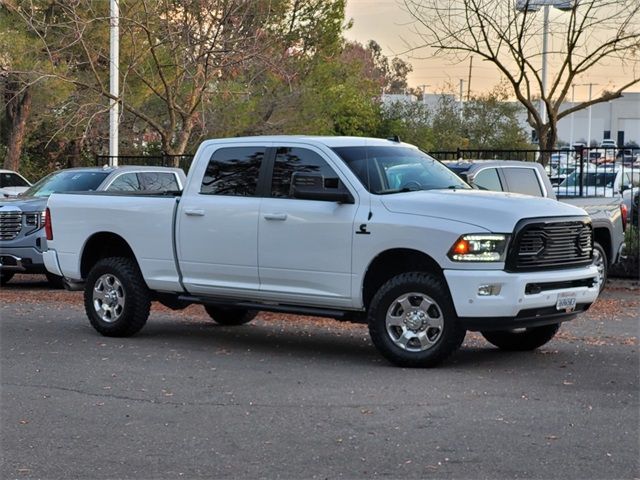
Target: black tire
(55,281)
(230,316)
(600,258)
(522,340)
(130,293)
(438,327)
(5,277)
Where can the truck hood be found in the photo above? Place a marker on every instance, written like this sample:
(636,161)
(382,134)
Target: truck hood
(492,211)
(26,204)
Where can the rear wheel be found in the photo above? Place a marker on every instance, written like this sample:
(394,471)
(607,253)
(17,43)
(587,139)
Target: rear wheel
(5,277)
(522,339)
(230,316)
(600,260)
(412,321)
(116,298)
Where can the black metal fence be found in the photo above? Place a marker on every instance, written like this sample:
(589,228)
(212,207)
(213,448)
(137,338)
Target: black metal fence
(180,161)
(578,172)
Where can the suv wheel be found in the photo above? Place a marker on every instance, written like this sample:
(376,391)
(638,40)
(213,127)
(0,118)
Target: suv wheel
(412,321)
(5,277)
(600,261)
(116,298)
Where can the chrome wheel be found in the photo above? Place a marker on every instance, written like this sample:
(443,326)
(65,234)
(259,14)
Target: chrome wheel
(108,298)
(600,262)
(414,322)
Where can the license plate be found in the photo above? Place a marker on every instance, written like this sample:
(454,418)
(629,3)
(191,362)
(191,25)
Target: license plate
(566,301)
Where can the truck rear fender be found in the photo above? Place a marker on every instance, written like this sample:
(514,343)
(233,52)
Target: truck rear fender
(602,235)
(102,245)
(390,263)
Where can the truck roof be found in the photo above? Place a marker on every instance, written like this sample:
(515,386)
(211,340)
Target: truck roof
(314,140)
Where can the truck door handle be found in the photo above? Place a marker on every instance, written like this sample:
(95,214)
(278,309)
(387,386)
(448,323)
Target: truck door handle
(275,216)
(194,212)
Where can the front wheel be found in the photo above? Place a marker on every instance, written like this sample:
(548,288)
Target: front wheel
(522,339)
(230,316)
(5,277)
(412,321)
(116,298)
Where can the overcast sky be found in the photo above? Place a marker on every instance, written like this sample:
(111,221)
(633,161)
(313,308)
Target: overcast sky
(386,22)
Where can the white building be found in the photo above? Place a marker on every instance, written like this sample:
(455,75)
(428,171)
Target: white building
(618,119)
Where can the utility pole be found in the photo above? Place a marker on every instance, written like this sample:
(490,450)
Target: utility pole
(114,71)
(469,82)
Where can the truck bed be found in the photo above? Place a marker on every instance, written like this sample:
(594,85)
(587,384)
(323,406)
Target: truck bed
(144,220)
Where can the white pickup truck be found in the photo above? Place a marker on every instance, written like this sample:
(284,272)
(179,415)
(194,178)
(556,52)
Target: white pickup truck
(357,229)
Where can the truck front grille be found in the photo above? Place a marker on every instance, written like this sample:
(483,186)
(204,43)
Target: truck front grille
(546,244)
(10,225)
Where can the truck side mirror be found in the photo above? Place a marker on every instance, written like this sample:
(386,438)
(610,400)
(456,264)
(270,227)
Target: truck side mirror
(307,186)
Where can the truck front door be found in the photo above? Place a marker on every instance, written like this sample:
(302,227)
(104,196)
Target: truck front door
(304,246)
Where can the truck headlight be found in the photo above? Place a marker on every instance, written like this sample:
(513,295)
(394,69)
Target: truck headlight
(480,247)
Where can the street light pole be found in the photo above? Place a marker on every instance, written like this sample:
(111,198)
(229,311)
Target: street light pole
(114,61)
(545,40)
(589,124)
(573,100)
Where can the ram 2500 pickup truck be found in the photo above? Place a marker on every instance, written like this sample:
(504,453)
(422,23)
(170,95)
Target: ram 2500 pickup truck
(358,229)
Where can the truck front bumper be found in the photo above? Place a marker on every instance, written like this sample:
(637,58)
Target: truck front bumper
(21,259)
(495,299)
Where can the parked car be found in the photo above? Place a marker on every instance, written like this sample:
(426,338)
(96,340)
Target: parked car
(22,237)
(358,229)
(530,178)
(12,183)
(603,181)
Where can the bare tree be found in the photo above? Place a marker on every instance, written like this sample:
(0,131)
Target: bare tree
(594,33)
(173,53)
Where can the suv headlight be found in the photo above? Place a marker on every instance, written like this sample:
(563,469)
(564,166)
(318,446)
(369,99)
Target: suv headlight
(480,247)
(35,220)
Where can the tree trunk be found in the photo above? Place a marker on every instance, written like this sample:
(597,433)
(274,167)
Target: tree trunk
(17,110)
(547,137)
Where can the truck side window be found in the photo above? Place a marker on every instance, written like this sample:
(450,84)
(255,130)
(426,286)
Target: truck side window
(290,160)
(233,171)
(127,182)
(488,180)
(158,181)
(523,180)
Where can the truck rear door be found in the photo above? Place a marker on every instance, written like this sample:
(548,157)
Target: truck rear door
(217,225)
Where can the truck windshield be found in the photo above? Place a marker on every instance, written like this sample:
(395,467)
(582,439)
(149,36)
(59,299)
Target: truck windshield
(66,181)
(12,180)
(384,170)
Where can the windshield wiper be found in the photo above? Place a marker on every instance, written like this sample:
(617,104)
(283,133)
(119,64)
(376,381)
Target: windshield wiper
(398,190)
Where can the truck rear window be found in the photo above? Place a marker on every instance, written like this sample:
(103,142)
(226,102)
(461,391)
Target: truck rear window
(233,171)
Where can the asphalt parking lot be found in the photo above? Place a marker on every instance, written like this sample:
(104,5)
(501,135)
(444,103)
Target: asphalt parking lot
(294,397)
